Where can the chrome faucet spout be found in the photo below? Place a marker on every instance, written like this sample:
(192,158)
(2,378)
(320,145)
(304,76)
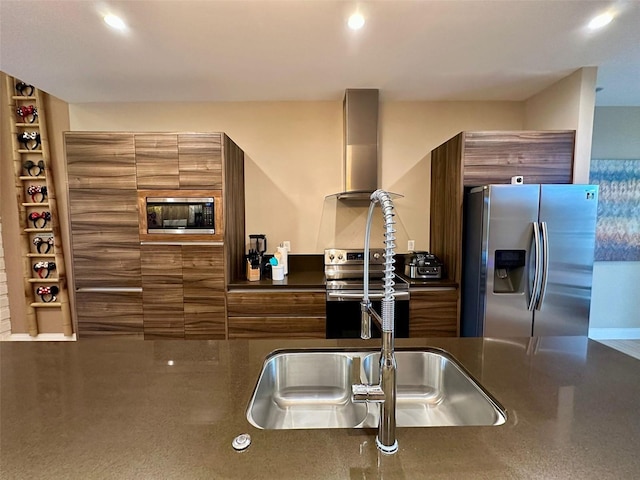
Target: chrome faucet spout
(384,392)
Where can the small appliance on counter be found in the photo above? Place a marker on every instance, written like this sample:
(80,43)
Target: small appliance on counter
(423,266)
(257,248)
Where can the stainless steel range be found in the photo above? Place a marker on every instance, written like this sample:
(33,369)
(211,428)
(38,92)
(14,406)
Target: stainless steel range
(344,271)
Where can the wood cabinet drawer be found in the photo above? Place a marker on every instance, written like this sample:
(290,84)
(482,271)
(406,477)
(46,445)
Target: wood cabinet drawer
(109,313)
(277,327)
(433,313)
(287,303)
(205,317)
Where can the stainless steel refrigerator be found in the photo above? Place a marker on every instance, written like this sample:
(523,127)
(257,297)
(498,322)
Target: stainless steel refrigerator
(528,260)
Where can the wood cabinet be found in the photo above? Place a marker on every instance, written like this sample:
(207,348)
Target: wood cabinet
(177,289)
(117,312)
(183,291)
(203,288)
(104,233)
(433,312)
(209,162)
(256,313)
(495,157)
(162,293)
(173,161)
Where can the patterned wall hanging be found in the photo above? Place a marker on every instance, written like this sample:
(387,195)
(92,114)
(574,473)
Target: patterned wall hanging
(618,227)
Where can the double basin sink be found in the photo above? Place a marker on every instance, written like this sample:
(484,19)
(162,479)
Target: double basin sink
(305,389)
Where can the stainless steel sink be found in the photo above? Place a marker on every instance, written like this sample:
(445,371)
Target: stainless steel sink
(304,389)
(433,390)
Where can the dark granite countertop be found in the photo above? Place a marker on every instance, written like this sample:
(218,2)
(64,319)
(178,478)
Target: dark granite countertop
(305,272)
(131,409)
(421,283)
(309,279)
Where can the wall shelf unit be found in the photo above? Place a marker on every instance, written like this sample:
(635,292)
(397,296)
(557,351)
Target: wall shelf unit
(37,161)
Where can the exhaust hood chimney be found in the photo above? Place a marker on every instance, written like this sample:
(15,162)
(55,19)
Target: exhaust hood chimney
(360,156)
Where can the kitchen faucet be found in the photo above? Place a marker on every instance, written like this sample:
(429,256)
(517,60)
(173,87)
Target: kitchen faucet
(384,392)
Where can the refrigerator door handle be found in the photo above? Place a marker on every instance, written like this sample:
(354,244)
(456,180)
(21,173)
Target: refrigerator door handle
(545,264)
(537,272)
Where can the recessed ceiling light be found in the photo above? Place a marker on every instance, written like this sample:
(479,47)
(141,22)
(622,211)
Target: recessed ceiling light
(600,21)
(356,21)
(114,22)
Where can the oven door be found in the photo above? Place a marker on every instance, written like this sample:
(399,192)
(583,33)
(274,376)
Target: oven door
(343,313)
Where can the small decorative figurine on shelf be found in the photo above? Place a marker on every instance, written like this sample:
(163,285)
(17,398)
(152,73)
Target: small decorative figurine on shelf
(29,138)
(24,89)
(46,243)
(43,269)
(37,190)
(48,294)
(40,219)
(29,114)
(31,167)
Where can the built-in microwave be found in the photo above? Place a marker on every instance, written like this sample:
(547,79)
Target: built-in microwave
(180,212)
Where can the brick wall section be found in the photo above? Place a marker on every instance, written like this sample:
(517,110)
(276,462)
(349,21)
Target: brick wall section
(5,322)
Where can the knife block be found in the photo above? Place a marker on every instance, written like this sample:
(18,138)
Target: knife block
(253,274)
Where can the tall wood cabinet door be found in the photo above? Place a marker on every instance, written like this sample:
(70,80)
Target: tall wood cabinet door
(204,291)
(106,243)
(157,161)
(162,292)
(101,176)
(200,160)
(433,313)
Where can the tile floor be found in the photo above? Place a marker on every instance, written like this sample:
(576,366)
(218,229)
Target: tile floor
(630,347)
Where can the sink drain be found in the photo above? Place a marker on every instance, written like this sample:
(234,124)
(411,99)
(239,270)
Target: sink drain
(241,442)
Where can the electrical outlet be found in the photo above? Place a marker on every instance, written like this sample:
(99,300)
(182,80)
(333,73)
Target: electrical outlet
(411,245)
(287,244)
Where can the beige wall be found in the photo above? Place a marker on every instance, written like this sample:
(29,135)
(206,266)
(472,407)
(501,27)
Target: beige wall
(567,104)
(9,213)
(294,155)
(616,133)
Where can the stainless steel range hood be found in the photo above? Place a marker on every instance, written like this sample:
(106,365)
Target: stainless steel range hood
(360,154)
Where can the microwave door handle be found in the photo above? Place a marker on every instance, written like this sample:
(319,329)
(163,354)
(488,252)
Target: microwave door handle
(545,264)
(537,272)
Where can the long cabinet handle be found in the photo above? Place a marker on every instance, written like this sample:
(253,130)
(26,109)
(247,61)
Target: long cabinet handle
(537,272)
(545,263)
(374,296)
(109,289)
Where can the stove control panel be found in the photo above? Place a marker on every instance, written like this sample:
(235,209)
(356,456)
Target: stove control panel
(338,256)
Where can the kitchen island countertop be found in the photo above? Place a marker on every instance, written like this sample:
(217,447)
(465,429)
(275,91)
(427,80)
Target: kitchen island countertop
(131,409)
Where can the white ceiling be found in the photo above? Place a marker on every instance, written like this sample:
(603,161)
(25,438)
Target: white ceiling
(263,50)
